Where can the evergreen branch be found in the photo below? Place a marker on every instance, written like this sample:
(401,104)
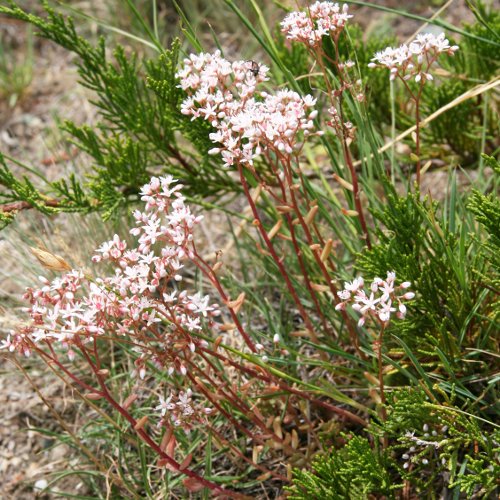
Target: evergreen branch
(138,101)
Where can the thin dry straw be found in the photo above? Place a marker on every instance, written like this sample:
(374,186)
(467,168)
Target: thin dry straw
(478,89)
(434,16)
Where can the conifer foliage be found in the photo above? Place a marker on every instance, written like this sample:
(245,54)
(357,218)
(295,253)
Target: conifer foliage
(141,131)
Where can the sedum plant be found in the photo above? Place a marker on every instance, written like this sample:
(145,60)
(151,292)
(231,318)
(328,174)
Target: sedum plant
(276,365)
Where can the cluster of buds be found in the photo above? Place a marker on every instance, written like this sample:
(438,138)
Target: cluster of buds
(423,448)
(348,81)
(415,59)
(319,20)
(248,122)
(261,349)
(343,129)
(384,299)
(139,301)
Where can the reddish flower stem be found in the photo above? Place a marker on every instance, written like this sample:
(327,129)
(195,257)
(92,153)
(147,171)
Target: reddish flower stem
(296,246)
(53,359)
(242,408)
(417,133)
(284,201)
(268,378)
(345,148)
(141,433)
(230,418)
(275,257)
(383,411)
(207,271)
(317,256)
(243,457)
(380,341)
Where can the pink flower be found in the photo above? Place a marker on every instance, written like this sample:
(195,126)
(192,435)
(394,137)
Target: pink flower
(182,411)
(354,285)
(165,405)
(319,20)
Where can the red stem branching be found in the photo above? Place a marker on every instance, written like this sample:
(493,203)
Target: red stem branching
(278,260)
(144,436)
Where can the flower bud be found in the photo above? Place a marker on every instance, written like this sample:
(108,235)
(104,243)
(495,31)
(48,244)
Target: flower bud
(94,396)
(49,260)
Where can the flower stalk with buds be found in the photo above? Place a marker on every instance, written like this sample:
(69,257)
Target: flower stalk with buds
(413,61)
(328,19)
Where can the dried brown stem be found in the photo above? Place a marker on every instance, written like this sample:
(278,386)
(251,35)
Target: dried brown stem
(17,206)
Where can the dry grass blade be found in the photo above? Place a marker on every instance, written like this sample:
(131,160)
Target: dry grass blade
(432,18)
(475,91)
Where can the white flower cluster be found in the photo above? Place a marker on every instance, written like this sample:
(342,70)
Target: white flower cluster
(415,59)
(181,410)
(381,302)
(248,122)
(73,310)
(319,20)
